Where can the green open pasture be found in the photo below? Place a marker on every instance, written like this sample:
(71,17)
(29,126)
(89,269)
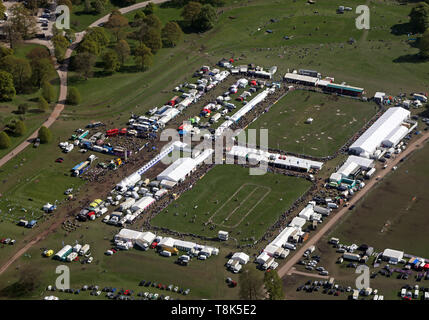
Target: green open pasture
(218,187)
(335,120)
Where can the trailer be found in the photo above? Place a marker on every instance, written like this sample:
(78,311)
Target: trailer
(84,250)
(63,253)
(80,168)
(72,256)
(369,173)
(83,135)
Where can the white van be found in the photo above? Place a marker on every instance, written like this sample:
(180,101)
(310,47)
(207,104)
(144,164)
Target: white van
(202,257)
(165,253)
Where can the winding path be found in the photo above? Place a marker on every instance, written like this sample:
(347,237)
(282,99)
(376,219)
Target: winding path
(62,71)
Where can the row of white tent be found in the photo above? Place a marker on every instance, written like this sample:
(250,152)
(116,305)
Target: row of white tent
(255,156)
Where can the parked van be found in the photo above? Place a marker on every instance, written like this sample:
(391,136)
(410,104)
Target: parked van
(165,253)
(289,246)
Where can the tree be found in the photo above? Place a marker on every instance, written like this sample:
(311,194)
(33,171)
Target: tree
(149,8)
(99,35)
(152,39)
(60,44)
(45,135)
(83,63)
(171,34)
(89,46)
(38,53)
(424,45)
(5,51)
(4,140)
(274,286)
(111,62)
(206,19)
(251,284)
(42,70)
(73,96)
(191,11)
(122,50)
(22,21)
(116,23)
(19,68)
(2,9)
(23,108)
(20,128)
(43,105)
(139,15)
(419,17)
(143,57)
(67,3)
(98,6)
(48,91)
(7,90)
(153,21)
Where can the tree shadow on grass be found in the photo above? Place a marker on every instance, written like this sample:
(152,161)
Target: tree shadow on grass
(129,69)
(410,58)
(25,286)
(401,29)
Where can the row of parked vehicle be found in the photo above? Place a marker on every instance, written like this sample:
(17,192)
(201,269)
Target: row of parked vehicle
(8,241)
(161,286)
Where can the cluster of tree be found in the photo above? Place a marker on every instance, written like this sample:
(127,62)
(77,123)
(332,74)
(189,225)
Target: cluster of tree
(199,17)
(419,17)
(255,287)
(419,21)
(16,128)
(21,75)
(21,24)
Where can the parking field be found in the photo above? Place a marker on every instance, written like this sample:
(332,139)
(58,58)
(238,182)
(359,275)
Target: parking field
(335,120)
(394,215)
(251,203)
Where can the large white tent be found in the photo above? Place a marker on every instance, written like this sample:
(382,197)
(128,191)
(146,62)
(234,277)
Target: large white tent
(384,127)
(178,170)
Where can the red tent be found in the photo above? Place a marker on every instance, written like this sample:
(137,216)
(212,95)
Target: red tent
(231,60)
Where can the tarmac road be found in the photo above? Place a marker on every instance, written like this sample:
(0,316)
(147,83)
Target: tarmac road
(287,267)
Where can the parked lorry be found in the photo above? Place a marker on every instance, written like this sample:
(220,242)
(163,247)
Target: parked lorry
(84,250)
(80,168)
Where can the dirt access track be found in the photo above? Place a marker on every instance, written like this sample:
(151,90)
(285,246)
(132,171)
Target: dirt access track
(287,267)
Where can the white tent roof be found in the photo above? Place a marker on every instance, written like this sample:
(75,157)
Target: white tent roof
(241,256)
(307,212)
(178,170)
(396,136)
(298,77)
(380,130)
(128,235)
(298,222)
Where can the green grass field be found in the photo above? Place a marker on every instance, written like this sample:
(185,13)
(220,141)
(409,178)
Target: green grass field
(251,203)
(335,120)
(124,270)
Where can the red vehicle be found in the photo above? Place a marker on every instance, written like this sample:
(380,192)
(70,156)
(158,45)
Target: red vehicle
(76,259)
(233,284)
(407,298)
(154,245)
(173,101)
(112,132)
(123,131)
(59,160)
(253,83)
(89,214)
(127,292)
(113,250)
(159,286)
